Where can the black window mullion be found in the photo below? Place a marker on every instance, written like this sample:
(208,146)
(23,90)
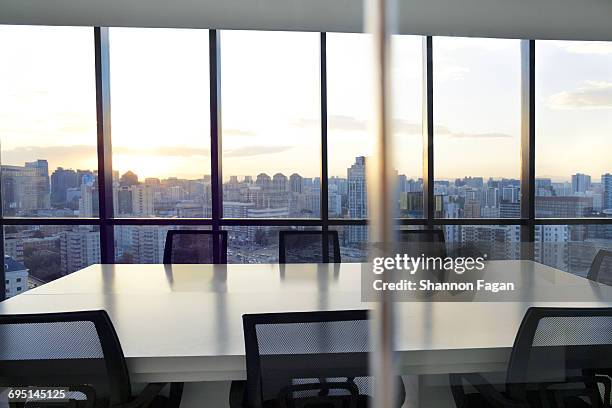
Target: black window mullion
(104,145)
(428,132)
(216,179)
(324,191)
(527,147)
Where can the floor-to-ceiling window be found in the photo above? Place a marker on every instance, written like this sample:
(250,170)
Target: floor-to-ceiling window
(255,132)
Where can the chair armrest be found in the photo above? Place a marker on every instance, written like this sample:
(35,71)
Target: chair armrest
(145,398)
(237,394)
(486,389)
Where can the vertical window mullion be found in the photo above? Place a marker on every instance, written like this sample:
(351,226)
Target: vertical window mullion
(323,196)
(215,136)
(527,147)
(103,118)
(428,132)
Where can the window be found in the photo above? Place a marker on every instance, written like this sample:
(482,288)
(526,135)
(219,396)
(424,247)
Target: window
(349,103)
(142,244)
(251,244)
(571,247)
(48,131)
(38,254)
(477,127)
(574,98)
(160,122)
(271,124)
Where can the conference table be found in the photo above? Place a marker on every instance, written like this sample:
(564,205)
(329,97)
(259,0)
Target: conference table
(182,323)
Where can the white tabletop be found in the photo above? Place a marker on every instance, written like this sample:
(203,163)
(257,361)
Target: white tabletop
(183,322)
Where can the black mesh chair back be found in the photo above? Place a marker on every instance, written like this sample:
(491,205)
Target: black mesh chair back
(429,241)
(196,247)
(307,247)
(308,359)
(76,350)
(601,268)
(562,353)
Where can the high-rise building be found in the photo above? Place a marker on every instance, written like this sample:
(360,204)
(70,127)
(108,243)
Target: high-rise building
(79,248)
(263,181)
(142,201)
(357,198)
(279,182)
(563,207)
(128,179)
(581,183)
(295,183)
(606,185)
(89,202)
(61,180)
(26,188)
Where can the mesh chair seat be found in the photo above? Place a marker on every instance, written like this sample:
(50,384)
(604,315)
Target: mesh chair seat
(309,359)
(307,247)
(195,247)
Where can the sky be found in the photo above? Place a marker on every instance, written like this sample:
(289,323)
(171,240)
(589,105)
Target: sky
(271,103)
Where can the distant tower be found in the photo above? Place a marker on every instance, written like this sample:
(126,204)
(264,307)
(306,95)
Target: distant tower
(357,199)
(295,183)
(581,183)
(606,184)
(279,182)
(264,181)
(128,179)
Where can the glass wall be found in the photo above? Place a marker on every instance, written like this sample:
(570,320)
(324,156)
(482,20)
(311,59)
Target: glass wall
(574,98)
(160,122)
(37,254)
(477,83)
(271,124)
(48,122)
(273,98)
(349,103)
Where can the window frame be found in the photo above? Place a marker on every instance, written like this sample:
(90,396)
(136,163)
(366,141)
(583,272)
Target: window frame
(106,221)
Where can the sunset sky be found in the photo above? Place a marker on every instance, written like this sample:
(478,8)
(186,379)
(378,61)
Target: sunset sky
(271,103)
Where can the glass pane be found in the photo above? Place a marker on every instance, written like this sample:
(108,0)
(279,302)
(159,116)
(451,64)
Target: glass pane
(251,244)
(271,124)
(353,243)
(143,244)
(477,127)
(492,242)
(37,254)
(571,247)
(160,122)
(573,143)
(48,122)
(349,107)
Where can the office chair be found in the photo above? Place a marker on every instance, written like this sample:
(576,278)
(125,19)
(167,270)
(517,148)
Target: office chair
(196,247)
(78,351)
(306,359)
(307,247)
(562,357)
(601,268)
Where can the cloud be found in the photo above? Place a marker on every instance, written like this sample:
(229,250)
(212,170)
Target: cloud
(250,151)
(341,122)
(76,153)
(401,126)
(238,132)
(68,154)
(595,95)
(581,47)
